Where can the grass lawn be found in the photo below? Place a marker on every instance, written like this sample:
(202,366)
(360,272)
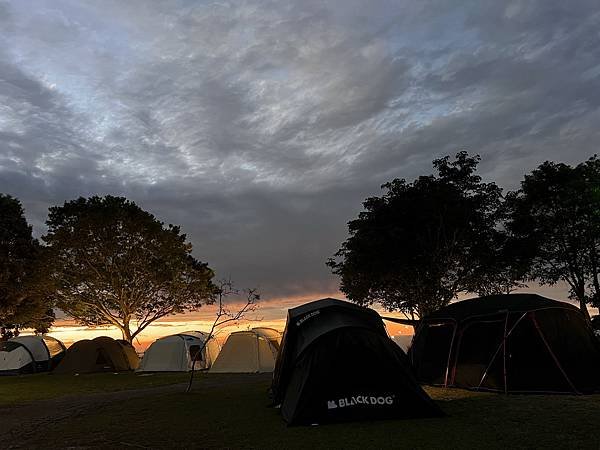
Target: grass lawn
(226,411)
(25,388)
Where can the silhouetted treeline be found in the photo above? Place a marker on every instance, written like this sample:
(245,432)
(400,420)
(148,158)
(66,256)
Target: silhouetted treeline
(422,243)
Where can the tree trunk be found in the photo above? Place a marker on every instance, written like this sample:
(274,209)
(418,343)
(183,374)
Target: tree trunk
(584,310)
(126,332)
(578,288)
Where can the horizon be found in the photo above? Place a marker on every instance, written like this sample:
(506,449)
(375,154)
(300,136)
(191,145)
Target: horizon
(271,314)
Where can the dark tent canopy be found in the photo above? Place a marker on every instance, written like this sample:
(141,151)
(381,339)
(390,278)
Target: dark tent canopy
(101,354)
(508,343)
(337,363)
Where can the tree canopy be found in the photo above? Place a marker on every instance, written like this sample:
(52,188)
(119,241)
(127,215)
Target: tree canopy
(21,303)
(114,263)
(420,244)
(554,223)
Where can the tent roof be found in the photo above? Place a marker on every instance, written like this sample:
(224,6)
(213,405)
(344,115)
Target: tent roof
(325,303)
(495,304)
(201,335)
(313,319)
(269,333)
(196,334)
(36,345)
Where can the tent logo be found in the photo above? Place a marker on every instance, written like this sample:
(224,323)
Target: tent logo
(306,317)
(366,400)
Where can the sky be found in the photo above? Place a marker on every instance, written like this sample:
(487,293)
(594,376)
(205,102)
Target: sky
(261,126)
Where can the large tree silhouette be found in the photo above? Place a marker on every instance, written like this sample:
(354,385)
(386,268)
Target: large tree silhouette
(22,305)
(422,243)
(555,226)
(114,263)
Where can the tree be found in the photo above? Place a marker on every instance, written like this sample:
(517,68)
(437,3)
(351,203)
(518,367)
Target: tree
(421,243)
(21,303)
(225,317)
(554,222)
(114,263)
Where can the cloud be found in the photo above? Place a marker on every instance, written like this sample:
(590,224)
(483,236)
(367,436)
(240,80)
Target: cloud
(260,126)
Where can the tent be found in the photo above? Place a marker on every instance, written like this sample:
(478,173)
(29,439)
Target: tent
(176,353)
(337,363)
(508,343)
(101,354)
(30,354)
(248,352)
(403,341)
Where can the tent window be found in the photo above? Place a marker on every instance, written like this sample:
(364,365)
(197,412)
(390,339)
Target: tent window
(8,346)
(53,347)
(195,353)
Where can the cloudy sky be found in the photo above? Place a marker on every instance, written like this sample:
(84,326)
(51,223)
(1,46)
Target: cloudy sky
(260,126)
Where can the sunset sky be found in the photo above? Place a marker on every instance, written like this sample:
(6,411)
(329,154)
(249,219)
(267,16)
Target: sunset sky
(260,126)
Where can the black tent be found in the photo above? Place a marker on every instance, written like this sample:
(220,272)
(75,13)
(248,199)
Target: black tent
(337,363)
(508,343)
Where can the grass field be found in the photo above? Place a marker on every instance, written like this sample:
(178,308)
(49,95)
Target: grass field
(15,390)
(231,411)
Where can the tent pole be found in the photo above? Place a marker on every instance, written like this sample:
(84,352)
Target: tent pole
(449,355)
(504,353)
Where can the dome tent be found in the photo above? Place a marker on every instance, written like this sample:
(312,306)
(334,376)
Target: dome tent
(508,343)
(30,354)
(252,351)
(101,354)
(337,363)
(176,353)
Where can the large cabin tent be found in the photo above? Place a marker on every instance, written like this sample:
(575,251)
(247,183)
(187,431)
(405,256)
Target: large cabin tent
(101,354)
(508,343)
(252,351)
(337,363)
(30,354)
(176,353)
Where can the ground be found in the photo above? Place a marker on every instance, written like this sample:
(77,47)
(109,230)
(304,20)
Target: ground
(231,411)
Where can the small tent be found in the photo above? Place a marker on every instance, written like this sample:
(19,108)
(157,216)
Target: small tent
(508,343)
(30,354)
(250,351)
(176,353)
(337,363)
(101,354)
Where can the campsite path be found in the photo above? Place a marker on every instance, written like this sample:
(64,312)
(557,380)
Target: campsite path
(22,421)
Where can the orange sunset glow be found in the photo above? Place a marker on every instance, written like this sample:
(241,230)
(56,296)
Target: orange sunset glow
(271,313)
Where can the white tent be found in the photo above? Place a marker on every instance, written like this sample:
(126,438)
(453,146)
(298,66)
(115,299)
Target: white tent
(29,354)
(176,353)
(248,352)
(403,341)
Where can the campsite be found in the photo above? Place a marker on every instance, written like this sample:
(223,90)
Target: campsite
(280,224)
(304,397)
(231,411)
